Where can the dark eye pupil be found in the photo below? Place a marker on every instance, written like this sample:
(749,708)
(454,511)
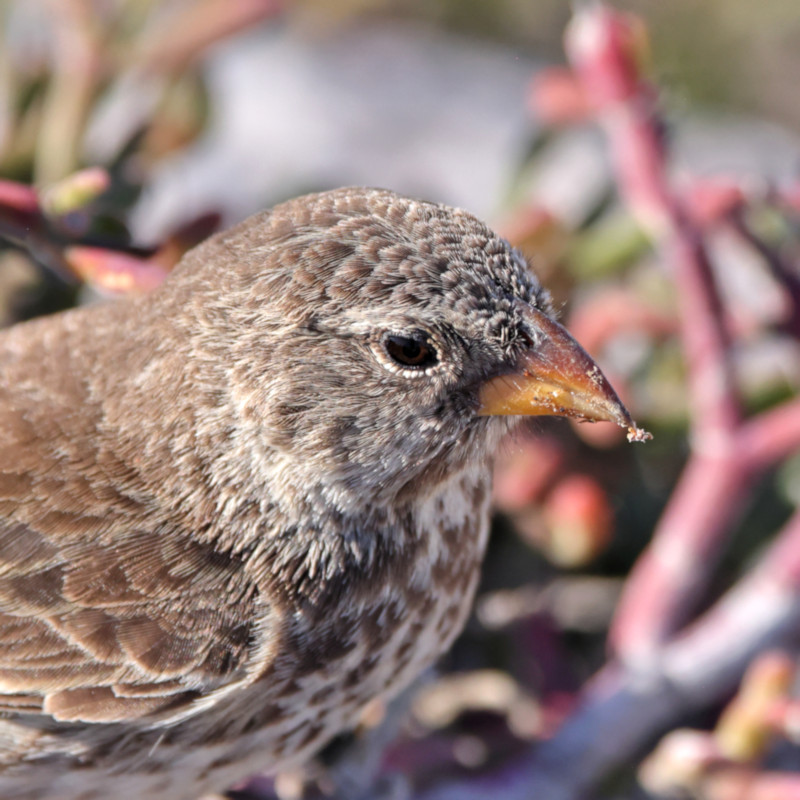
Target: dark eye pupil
(410,352)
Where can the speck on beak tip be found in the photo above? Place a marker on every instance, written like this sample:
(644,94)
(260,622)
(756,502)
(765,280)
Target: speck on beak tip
(557,378)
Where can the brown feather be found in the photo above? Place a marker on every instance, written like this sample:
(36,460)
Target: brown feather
(227,521)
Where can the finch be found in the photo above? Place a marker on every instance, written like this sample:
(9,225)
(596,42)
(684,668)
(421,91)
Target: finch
(237,509)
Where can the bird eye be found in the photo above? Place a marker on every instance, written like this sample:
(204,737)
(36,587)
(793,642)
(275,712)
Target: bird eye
(410,351)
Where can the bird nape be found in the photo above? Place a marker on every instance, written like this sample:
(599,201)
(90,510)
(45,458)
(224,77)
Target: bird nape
(237,509)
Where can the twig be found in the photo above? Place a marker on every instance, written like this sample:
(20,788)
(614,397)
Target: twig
(695,670)
(771,436)
(77,61)
(667,668)
(660,596)
(788,279)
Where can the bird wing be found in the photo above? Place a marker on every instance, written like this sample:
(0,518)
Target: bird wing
(108,610)
(138,627)
(111,608)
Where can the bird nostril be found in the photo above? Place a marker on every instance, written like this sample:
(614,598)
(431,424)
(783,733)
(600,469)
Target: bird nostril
(526,339)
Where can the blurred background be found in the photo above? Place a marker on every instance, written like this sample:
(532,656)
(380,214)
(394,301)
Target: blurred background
(132,129)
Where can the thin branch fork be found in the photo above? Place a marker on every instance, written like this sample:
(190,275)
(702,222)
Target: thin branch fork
(664,586)
(668,666)
(625,710)
(695,670)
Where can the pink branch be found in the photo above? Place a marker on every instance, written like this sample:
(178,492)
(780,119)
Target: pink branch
(737,783)
(185,35)
(706,503)
(670,573)
(783,272)
(771,436)
(712,390)
(34,223)
(692,672)
(603,48)
(671,668)
(23,223)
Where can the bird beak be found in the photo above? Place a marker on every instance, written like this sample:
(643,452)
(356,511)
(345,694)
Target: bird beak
(557,377)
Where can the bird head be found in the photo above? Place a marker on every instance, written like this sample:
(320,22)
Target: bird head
(378,344)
